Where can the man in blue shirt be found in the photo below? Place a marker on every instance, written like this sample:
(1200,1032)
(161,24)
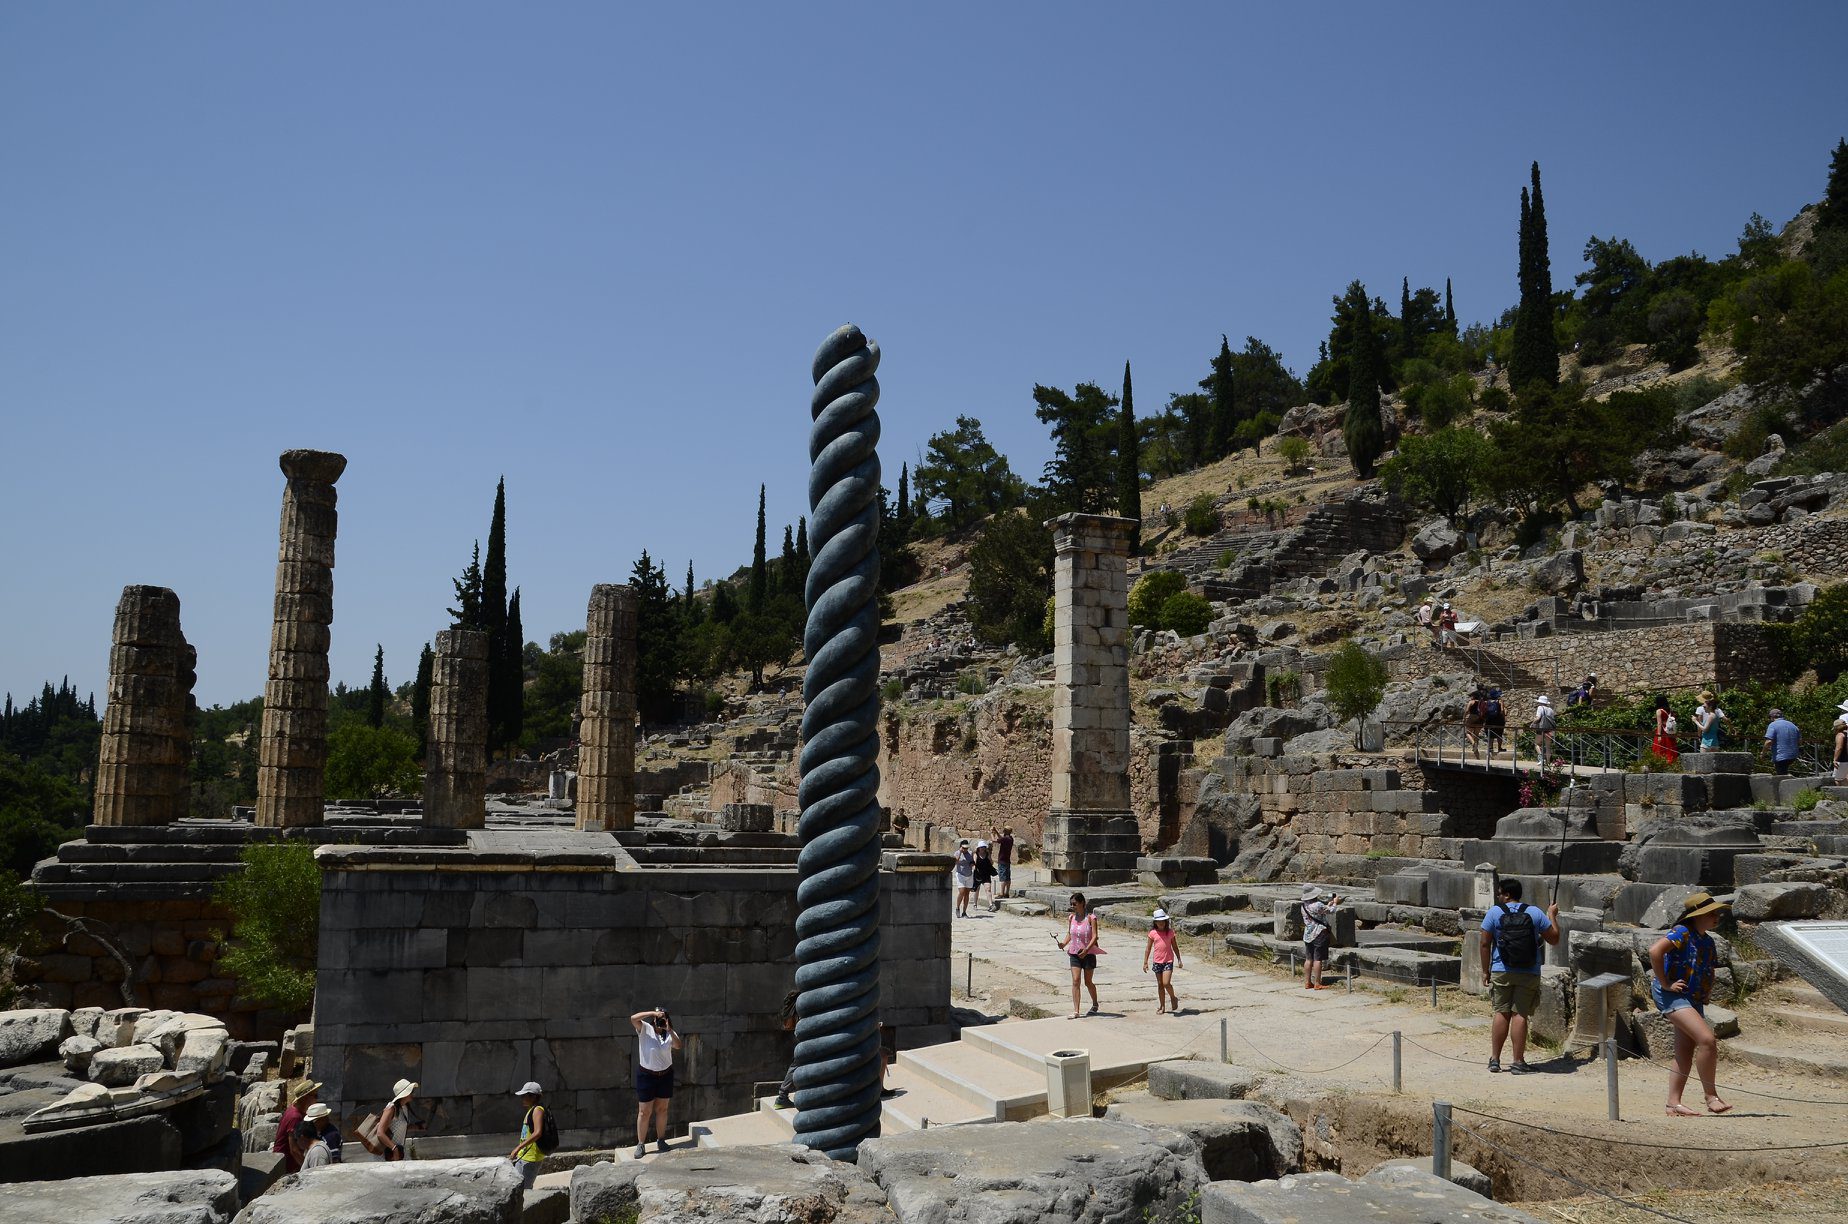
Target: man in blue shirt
(1781,739)
(1512,935)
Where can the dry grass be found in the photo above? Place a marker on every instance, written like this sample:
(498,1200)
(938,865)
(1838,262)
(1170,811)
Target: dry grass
(1823,1200)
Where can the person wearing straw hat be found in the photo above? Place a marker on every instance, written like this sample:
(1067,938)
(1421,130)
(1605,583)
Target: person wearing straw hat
(1682,964)
(1166,955)
(1712,720)
(1839,733)
(325,1130)
(304,1096)
(1318,917)
(395,1122)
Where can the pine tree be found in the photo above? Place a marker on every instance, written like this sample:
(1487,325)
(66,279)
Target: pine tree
(689,606)
(420,698)
(467,613)
(1129,465)
(513,660)
(786,564)
(1834,211)
(759,591)
(1450,310)
(1535,355)
(375,695)
(1225,410)
(1361,428)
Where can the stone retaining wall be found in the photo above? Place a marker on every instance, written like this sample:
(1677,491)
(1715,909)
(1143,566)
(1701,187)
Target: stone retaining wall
(472,972)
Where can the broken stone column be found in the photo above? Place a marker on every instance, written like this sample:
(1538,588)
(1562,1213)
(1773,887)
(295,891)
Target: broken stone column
(456,764)
(292,754)
(606,728)
(1091,836)
(141,774)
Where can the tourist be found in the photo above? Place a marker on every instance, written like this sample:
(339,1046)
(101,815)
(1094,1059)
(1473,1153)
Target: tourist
(1683,961)
(1545,720)
(395,1123)
(293,1115)
(656,1042)
(1511,955)
(965,878)
(1840,756)
(1585,694)
(323,1119)
(786,1017)
(1665,728)
(314,1152)
(1495,721)
(1447,626)
(1318,915)
(984,873)
(1004,863)
(1781,741)
(1427,621)
(1080,944)
(532,1147)
(1711,720)
(1166,955)
(1475,718)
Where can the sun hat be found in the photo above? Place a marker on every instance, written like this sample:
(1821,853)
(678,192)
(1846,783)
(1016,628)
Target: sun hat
(1702,903)
(981,845)
(403,1089)
(1706,695)
(308,1088)
(1545,700)
(1843,707)
(530,1089)
(1160,915)
(316,1112)
(1311,892)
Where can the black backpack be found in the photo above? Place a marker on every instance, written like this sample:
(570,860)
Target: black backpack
(547,1142)
(1516,937)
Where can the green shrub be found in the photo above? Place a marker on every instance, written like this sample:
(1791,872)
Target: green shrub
(1295,452)
(892,689)
(1805,801)
(971,684)
(1356,681)
(1186,613)
(1748,440)
(1821,632)
(364,762)
(1202,517)
(1226,559)
(275,907)
(1151,591)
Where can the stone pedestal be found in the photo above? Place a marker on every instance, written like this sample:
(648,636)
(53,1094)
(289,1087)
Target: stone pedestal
(606,727)
(456,766)
(292,753)
(1091,835)
(141,774)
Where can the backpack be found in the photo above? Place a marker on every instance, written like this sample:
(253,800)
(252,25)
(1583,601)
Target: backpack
(1493,711)
(1516,938)
(1545,719)
(1669,725)
(547,1139)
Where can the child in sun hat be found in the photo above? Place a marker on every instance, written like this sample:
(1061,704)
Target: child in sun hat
(1165,954)
(1318,917)
(1682,962)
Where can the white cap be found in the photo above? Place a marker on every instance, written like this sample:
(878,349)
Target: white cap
(530,1089)
(1545,700)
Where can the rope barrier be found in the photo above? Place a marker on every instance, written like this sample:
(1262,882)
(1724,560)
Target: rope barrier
(1305,1071)
(1571,1181)
(1639,1143)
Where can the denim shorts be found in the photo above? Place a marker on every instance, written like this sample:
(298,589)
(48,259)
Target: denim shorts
(1667,1001)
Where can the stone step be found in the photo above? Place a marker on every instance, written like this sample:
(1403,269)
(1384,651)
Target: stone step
(921,1100)
(130,873)
(986,1079)
(141,852)
(738,1130)
(1813,1059)
(1832,1023)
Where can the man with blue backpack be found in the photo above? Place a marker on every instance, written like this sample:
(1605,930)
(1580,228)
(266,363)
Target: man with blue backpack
(1512,952)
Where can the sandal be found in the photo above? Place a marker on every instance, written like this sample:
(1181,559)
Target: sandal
(1682,1111)
(1720,1108)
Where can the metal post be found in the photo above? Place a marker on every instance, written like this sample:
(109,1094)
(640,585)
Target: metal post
(1440,1139)
(1350,976)
(1397,1064)
(923,1123)
(1610,1077)
(1433,992)
(969,976)
(1223,1053)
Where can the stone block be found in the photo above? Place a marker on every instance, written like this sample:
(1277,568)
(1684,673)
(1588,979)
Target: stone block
(1194,1079)
(1717,762)
(121,1068)
(478,1191)
(1765,902)
(1387,1195)
(32,1034)
(1287,919)
(1552,1020)
(1417,1172)
(1242,1140)
(167,1197)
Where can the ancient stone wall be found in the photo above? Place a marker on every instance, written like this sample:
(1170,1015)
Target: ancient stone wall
(1813,546)
(292,753)
(141,776)
(456,765)
(606,733)
(472,981)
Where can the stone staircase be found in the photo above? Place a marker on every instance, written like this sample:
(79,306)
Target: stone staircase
(993,1073)
(1365,519)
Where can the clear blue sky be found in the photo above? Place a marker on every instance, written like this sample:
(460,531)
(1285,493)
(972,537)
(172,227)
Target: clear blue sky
(592,248)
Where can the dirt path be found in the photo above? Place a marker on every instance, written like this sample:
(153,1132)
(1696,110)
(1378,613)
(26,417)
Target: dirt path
(1343,1042)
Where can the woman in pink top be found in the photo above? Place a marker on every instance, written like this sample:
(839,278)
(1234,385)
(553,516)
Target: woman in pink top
(1080,944)
(1167,957)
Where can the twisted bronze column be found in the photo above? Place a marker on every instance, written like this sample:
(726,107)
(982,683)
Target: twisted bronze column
(837,1079)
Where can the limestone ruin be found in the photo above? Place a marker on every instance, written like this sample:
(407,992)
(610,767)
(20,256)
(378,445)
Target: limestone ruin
(606,732)
(455,777)
(141,774)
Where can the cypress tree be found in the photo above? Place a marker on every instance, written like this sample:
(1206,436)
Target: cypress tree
(1225,410)
(759,590)
(420,698)
(803,560)
(513,678)
(1361,428)
(1450,310)
(694,613)
(786,564)
(494,618)
(904,508)
(375,694)
(1833,214)
(1535,355)
(1405,318)
(1129,465)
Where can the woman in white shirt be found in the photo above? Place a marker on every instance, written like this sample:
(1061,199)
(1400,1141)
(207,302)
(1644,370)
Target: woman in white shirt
(656,1042)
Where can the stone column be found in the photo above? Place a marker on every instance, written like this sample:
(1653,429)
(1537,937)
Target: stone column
(456,764)
(606,729)
(1091,835)
(147,739)
(292,754)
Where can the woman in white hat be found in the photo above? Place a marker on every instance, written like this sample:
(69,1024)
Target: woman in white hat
(1166,956)
(1545,720)
(395,1123)
(1840,733)
(1318,918)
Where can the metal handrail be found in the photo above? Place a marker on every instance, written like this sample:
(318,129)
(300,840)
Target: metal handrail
(1582,748)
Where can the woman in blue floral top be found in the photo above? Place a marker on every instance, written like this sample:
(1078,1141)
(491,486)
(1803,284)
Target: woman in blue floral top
(1683,961)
